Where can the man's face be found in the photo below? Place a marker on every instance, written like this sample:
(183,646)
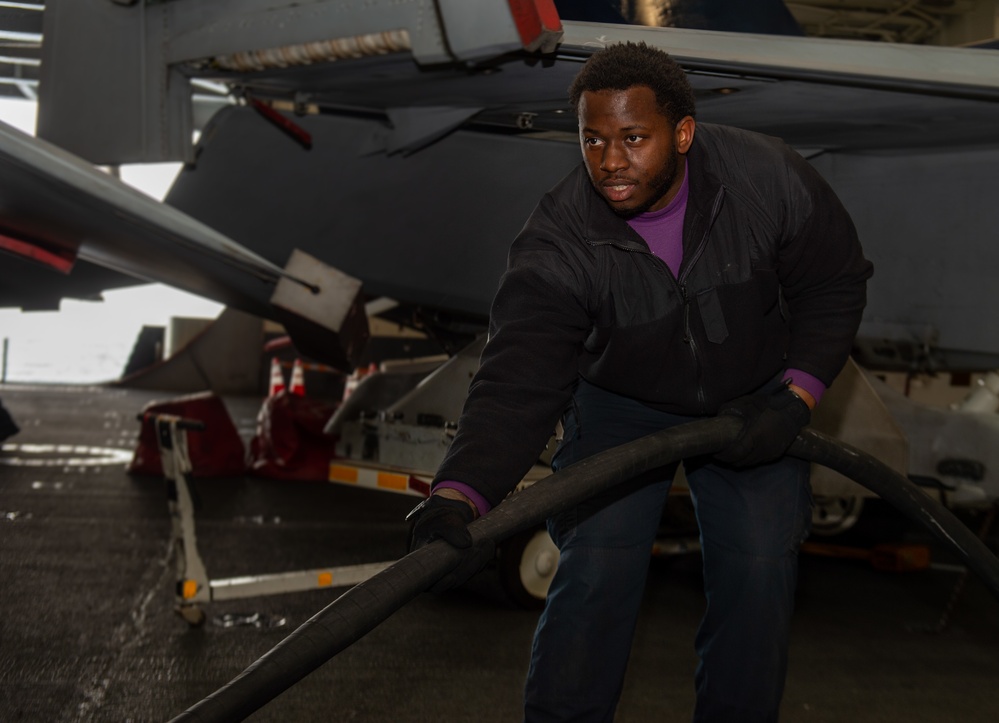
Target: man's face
(631,149)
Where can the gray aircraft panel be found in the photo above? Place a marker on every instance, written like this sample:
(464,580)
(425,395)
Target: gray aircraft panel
(929,223)
(836,111)
(831,94)
(432,228)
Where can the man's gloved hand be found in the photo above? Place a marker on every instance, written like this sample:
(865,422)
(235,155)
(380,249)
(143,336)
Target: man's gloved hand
(441,518)
(771,421)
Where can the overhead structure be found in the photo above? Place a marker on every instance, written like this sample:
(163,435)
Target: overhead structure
(20,48)
(403,144)
(132,101)
(893,21)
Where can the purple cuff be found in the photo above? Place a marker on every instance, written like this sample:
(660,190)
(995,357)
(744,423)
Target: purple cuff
(478,500)
(807,382)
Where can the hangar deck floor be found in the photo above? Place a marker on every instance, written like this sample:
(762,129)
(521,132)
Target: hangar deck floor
(87,631)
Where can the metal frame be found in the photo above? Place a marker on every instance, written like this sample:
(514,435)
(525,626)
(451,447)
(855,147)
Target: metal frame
(194,587)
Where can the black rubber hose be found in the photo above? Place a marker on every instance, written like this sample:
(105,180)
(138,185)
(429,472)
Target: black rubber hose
(902,494)
(363,607)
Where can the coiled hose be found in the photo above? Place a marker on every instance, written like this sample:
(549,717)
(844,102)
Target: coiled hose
(363,607)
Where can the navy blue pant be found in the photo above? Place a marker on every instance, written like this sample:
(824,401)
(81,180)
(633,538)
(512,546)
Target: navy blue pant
(751,524)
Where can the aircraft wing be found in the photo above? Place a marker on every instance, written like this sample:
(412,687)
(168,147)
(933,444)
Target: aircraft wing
(405,148)
(56,209)
(425,211)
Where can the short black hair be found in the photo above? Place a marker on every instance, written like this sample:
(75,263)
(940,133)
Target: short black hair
(625,65)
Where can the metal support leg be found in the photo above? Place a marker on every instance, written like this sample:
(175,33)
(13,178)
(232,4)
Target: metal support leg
(193,588)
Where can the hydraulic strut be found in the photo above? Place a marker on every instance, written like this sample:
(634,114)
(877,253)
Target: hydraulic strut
(363,607)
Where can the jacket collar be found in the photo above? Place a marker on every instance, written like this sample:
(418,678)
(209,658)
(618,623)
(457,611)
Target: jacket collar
(706,190)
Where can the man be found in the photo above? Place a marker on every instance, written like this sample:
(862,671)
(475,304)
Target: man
(682,271)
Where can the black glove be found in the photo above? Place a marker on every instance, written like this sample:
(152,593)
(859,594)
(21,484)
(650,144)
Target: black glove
(772,420)
(440,518)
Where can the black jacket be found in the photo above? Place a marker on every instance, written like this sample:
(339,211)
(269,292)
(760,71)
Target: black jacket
(773,277)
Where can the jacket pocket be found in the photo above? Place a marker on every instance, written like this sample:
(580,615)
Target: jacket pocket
(712,316)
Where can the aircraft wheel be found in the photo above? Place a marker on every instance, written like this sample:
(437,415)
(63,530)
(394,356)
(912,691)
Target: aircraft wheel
(527,565)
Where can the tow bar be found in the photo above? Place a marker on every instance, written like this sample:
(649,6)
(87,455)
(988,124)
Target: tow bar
(363,607)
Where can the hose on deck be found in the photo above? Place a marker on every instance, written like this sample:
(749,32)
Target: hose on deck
(363,607)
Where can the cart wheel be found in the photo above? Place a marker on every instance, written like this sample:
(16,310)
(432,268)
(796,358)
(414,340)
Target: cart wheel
(527,564)
(192,615)
(835,515)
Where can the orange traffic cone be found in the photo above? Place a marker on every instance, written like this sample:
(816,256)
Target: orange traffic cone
(297,386)
(277,378)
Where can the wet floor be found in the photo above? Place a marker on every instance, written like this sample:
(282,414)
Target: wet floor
(87,631)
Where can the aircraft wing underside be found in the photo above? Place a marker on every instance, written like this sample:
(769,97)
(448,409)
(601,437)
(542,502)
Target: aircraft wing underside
(412,166)
(815,94)
(907,136)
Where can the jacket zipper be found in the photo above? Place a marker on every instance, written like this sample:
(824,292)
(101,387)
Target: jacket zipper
(681,286)
(688,336)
